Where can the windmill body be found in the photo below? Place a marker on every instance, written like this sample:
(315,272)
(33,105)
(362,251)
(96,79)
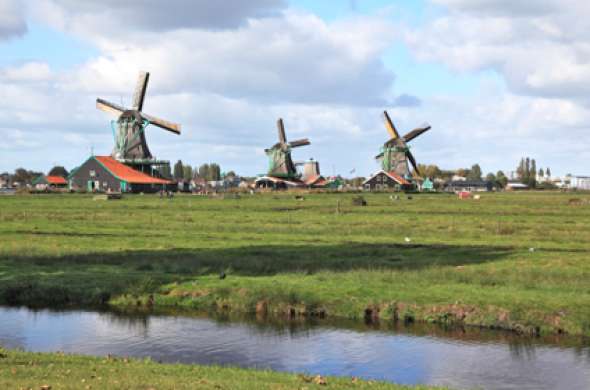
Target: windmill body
(396,159)
(393,158)
(281,164)
(395,155)
(129,129)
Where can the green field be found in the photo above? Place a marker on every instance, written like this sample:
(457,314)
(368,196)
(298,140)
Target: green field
(25,370)
(513,260)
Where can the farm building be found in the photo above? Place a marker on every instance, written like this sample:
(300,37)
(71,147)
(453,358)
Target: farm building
(44,182)
(580,182)
(4,180)
(383,180)
(516,186)
(469,186)
(276,183)
(427,185)
(105,174)
(317,181)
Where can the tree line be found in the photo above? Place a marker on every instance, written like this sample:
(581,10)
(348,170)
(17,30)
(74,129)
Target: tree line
(25,176)
(209,172)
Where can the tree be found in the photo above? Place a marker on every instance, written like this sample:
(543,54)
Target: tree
(491,177)
(165,171)
(24,176)
(501,179)
(431,171)
(204,171)
(462,172)
(58,171)
(474,172)
(357,181)
(178,170)
(187,172)
(527,171)
(541,172)
(533,174)
(214,172)
(548,173)
(520,170)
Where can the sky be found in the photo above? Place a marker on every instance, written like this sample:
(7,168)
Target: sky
(496,79)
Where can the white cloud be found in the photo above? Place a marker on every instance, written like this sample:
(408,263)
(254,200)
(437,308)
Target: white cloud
(296,58)
(114,18)
(12,19)
(541,47)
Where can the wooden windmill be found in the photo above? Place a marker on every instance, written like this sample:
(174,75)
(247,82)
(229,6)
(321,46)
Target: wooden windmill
(281,165)
(129,129)
(395,153)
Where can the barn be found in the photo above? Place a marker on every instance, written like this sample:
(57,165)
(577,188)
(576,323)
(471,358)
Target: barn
(383,180)
(105,174)
(44,182)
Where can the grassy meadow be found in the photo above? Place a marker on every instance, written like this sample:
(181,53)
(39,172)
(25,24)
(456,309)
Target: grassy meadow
(25,370)
(511,260)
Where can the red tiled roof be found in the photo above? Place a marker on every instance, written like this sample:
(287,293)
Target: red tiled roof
(125,173)
(56,180)
(398,178)
(316,180)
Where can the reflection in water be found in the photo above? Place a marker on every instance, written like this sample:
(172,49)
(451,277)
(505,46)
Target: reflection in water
(459,358)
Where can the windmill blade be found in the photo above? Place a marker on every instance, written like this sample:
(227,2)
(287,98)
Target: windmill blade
(413,162)
(109,107)
(390,126)
(140,89)
(299,142)
(282,135)
(416,132)
(379,156)
(161,123)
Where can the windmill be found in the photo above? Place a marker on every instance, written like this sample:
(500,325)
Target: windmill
(395,153)
(129,128)
(281,164)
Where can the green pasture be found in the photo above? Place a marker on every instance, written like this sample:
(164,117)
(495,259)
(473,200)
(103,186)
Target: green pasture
(25,370)
(511,260)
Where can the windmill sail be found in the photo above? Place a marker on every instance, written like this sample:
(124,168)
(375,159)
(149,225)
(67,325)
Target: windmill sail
(130,141)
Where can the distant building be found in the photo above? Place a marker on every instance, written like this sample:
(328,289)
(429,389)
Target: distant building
(458,178)
(427,185)
(469,186)
(580,183)
(317,181)
(271,182)
(382,180)
(44,182)
(5,180)
(311,169)
(516,186)
(105,174)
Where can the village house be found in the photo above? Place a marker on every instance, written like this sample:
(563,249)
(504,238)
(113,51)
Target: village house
(48,182)
(105,174)
(382,180)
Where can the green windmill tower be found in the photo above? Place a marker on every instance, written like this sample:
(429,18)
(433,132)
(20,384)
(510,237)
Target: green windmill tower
(395,155)
(280,163)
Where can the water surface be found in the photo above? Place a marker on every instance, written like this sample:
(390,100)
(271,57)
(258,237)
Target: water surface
(463,359)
